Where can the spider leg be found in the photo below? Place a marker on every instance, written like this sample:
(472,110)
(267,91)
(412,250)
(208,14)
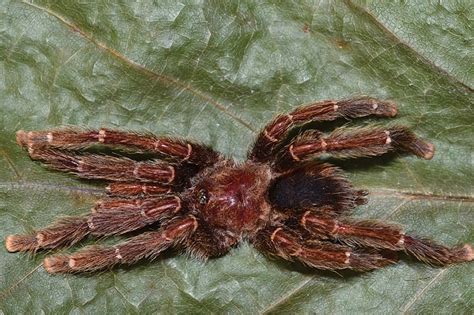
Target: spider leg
(94,166)
(356,142)
(277,130)
(110,216)
(146,245)
(282,242)
(179,150)
(66,231)
(133,189)
(118,216)
(384,236)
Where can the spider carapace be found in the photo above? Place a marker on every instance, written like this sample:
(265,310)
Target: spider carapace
(283,199)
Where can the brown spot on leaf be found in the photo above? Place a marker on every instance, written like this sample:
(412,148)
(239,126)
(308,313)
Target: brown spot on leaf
(341,43)
(306,28)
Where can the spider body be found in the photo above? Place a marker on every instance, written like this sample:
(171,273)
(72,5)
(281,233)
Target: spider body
(282,199)
(231,197)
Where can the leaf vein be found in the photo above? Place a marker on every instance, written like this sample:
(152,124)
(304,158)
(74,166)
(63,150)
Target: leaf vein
(287,296)
(46,186)
(10,289)
(158,76)
(398,40)
(421,195)
(11,164)
(421,291)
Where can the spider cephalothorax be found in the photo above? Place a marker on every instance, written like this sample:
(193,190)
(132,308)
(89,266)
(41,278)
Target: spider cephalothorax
(281,199)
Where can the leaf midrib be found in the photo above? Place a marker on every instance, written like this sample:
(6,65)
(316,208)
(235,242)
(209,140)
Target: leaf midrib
(165,79)
(384,192)
(392,36)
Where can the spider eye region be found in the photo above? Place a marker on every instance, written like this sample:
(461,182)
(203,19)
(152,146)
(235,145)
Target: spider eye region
(202,197)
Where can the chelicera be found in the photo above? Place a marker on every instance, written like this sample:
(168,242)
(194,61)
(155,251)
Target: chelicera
(284,200)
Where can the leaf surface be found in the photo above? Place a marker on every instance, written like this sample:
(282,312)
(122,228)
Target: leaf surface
(216,72)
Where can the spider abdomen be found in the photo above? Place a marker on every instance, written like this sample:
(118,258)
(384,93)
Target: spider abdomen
(312,186)
(299,191)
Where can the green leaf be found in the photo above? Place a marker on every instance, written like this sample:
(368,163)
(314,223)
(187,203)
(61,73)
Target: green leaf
(217,71)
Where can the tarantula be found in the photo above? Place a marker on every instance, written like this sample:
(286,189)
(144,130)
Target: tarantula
(282,200)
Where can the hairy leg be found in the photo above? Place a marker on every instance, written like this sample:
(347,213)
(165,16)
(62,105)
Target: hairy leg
(93,166)
(72,139)
(289,245)
(352,143)
(110,216)
(146,245)
(384,236)
(136,189)
(277,130)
